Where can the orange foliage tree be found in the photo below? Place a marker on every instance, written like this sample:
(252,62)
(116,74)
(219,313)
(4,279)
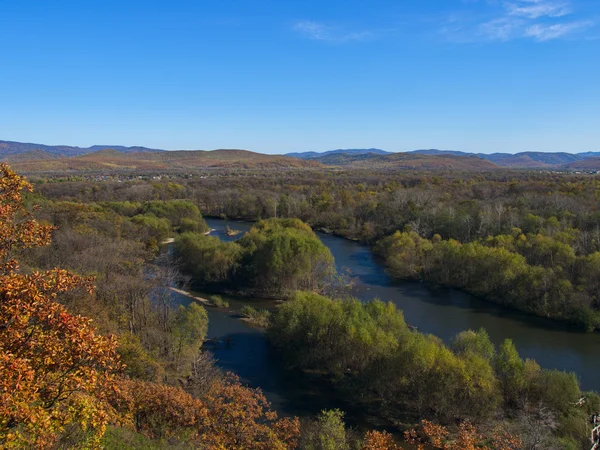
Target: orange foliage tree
(230,417)
(54,368)
(241,418)
(379,440)
(468,438)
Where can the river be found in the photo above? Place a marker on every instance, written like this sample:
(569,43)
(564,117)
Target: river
(439,311)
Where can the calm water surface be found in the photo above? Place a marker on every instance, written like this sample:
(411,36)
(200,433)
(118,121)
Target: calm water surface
(439,311)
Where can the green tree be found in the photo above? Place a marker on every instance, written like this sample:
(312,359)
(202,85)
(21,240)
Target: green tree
(328,432)
(510,370)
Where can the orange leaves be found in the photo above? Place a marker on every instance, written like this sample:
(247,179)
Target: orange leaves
(468,438)
(230,417)
(17,230)
(241,418)
(155,409)
(63,364)
(54,368)
(376,440)
(56,371)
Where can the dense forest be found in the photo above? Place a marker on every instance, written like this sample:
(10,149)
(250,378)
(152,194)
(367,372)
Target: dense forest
(538,232)
(527,240)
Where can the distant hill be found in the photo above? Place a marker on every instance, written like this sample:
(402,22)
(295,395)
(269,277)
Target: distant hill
(435,152)
(410,161)
(523,160)
(589,154)
(8,148)
(592,163)
(111,160)
(29,157)
(349,151)
(531,159)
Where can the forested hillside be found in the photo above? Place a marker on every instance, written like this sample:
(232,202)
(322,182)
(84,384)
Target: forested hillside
(110,160)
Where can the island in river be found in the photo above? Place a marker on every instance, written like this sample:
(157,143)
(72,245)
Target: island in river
(439,311)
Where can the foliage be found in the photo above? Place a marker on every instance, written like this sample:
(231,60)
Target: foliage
(284,255)
(54,368)
(59,378)
(190,327)
(368,353)
(229,416)
(338,337)
(533,273)
(327,432)
(275,258)
(218,301)
(377,440)
(259,317)
(207,258)
(468,437)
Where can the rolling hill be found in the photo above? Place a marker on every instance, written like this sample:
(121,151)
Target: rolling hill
(115,160)
(585,164)
(349,151)
(406,161)
(531,159)
(523,160)
(29,158)
(17,148)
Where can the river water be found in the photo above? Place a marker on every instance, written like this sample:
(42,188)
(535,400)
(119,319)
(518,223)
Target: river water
(439,311)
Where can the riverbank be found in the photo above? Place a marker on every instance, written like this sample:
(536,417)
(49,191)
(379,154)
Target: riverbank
(573,321)
(187,294)
(445,312)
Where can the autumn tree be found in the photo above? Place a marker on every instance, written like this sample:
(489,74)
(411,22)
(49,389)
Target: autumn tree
(54,368)
(229,416)
(468,437)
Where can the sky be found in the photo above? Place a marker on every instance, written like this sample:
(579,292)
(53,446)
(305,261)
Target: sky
(279,76)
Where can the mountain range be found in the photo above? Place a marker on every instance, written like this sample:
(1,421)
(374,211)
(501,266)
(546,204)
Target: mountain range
(19,148)
(28,158)
(347,151)
(523,160)
(32,158)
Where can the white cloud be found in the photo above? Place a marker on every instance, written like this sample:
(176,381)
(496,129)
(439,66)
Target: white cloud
(322,32)
(505,20)
(501,29)
(547,32)
(537,9)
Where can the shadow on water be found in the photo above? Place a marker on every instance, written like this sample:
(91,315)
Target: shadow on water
(245,351)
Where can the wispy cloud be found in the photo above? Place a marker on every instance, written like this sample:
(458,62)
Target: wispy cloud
(500,29)
(540,20)
(546,32)
(537,8)
(328,33)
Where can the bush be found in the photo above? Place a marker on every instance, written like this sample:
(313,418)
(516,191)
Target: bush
(218,301)
(260,317)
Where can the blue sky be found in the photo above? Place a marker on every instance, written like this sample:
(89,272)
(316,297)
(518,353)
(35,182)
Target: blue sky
(278,76)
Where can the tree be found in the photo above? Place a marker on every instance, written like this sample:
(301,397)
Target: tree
(55,369)
(510,370)
(377,440)
(474,342)
(327,432)
(209,259)
(284,255)
(191,324)
(468,437)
